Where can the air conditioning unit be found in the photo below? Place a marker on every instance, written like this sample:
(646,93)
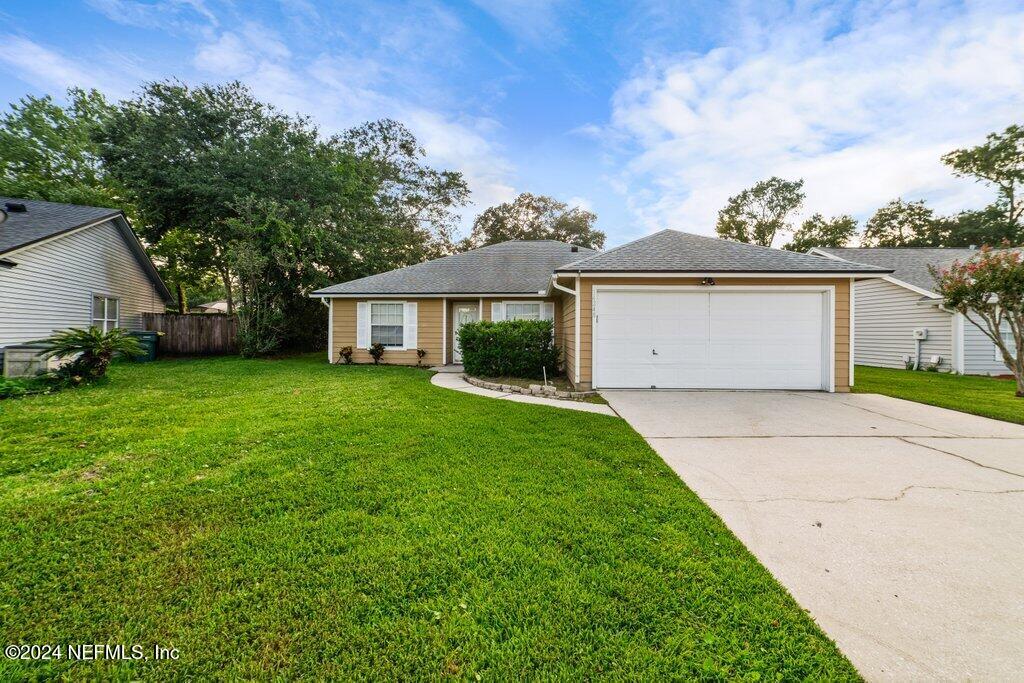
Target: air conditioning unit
(921,333)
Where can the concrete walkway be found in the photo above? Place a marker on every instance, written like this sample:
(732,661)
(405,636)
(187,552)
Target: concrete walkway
(452,380)
(899,526)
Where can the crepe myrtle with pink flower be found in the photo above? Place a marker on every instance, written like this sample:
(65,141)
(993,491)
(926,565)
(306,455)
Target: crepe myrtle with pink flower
(988,289)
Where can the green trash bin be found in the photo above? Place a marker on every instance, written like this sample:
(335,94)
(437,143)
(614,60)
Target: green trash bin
(148,341)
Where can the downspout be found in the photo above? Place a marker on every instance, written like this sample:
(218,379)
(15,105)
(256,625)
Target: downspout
(330,328)
(576,325)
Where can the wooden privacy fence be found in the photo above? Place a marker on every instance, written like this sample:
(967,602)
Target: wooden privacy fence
(196,334)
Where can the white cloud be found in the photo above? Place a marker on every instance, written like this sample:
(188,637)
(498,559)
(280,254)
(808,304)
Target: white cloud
(48,70)
(531,21)
(227,57)
(581,202)
(861,111)
(163,14)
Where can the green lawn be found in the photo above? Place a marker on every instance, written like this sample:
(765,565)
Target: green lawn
(984,396)
(288,518)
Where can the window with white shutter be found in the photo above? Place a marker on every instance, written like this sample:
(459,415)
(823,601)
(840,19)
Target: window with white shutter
(387,324)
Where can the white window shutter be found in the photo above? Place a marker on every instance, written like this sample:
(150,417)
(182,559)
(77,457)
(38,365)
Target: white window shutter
(362,325)
(411,323)
(547,311)
(496,310)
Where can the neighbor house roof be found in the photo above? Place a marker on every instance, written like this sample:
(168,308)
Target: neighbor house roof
(681,252)
(909,264)
(45,220)
(514,267)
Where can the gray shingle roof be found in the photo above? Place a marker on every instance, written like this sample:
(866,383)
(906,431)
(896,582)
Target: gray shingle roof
(43,220)
(515,267)
(681,252)
(909,264)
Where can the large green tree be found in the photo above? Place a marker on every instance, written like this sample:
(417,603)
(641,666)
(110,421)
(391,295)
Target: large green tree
(359,203)
(759,213)
(999,161)
(818,231)
(902,224)
(536,217)
(48,151)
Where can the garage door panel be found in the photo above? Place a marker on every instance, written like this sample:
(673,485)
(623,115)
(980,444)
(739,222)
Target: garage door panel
(714,340)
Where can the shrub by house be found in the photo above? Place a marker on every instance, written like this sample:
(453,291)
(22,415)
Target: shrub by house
(511,348)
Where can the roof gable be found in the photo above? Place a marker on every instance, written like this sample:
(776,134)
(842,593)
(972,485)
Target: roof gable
(47,220)
(514,267)
(909,264)
(681,252)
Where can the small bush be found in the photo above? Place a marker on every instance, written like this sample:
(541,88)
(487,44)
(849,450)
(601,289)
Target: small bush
(420,353)
(511,348)
(376,352)
(91,351)
(346,354)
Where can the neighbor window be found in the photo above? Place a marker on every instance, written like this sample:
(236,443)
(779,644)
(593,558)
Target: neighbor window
(104,312)
(386,324)
(1010,346)
(528,311)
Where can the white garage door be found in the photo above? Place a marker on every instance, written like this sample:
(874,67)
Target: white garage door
(710,339)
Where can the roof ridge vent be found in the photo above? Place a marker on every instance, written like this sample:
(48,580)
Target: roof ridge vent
(15,207)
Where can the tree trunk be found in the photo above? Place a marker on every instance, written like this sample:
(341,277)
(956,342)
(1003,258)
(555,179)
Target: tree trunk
(182,299)
(226,276)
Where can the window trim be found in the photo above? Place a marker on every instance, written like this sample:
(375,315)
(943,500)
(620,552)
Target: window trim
(105,320)
(369,322)
(1007,337)
(538,304)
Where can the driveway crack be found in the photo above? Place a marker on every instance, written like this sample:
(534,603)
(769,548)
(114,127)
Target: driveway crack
(899,496)
(957,455)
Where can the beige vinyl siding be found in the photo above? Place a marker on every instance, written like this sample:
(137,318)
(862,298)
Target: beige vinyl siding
(842,312)
(428,333)
(52,286)
(885,319)
(568,326)
(980,355)
(431,334)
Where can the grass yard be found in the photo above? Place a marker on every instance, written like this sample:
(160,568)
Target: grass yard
(985,396)
(286,518)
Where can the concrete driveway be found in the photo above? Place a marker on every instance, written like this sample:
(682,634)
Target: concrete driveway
(899,526)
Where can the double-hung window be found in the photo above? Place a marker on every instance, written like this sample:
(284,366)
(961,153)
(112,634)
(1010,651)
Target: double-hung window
(1010,345)
(387,324)
(105,310)
(522,311)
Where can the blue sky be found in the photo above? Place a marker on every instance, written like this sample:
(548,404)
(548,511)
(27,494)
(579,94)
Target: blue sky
(649,113)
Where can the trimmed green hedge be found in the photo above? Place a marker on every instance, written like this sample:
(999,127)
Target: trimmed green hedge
(511,348)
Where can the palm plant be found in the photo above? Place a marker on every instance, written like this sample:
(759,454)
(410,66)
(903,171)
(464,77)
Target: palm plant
(91,349)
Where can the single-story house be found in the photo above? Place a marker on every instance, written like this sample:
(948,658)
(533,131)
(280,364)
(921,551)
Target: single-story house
(888,311)
(64,265)
(670,310)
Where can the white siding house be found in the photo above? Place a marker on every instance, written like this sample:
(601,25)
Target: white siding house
(888,310)
(62,268)
(884,322)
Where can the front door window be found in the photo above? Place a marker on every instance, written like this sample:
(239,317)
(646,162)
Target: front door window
(462,314)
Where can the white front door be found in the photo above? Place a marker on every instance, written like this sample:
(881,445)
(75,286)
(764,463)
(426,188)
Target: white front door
(767,339)
(462,314)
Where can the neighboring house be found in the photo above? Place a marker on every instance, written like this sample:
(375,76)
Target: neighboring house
(220,306)
(671,310)
(63,265)
(889,309)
